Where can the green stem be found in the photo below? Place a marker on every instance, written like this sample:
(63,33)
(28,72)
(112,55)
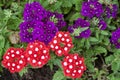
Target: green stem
(30,1)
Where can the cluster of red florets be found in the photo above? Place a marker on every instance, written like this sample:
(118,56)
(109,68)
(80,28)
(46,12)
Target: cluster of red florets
(61,43)
(73,66)
(37,55)
(14,59)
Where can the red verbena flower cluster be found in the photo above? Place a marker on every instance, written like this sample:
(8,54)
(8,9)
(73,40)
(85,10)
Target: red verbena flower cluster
(61,43)
(14,59)
(37,54)
(73,66)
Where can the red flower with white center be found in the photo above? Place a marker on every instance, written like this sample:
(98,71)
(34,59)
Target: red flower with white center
(14,59)
(73,66)
(61,43)
(37,54)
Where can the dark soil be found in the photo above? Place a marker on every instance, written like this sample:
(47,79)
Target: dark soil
(44,73)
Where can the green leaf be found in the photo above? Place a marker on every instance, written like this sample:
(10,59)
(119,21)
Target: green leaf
(115,66)
(93,39)
(66,3)
(89,65)
(100,49)
(66,10)
(7,13)
(79,30)
(117,53)
(78,4)
(87,44)
(58,75)
(1,53)
(57,5)
(45,3)
(13,23)
(112,27)
(23,72)
(95,21)
(104,32)
(2,41)
(108,1)
(113,77)
(75,16)
(57,62)
(106,41)
(109,59)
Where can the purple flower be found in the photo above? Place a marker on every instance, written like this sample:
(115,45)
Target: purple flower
(102,25)
(108,12)
(48,31)
(80,23)
(26,29)
(38,25)
(111,11)
(115,38)
(91,8)
(60,23)
(33,11)
(30,31)
(114,10)
(84,34)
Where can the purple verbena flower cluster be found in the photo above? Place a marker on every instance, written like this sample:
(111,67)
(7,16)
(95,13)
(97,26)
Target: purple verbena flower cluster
(111,11)
(34,11)
(38,25)
(82,24)
(115,38)
(59,22)
(91,8)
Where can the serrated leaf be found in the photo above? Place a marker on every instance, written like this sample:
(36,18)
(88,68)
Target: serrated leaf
(100,49)
(75,16)
(79,30)
(78,4)
(13,23)
(82,42)
(115,66)
(104,33)
(57,62)
(106,41)
(58,75)
(89,65)
(87,44)
(112,27)
(45,3)
(117,53)
(24,70)
(7,13)
(57,5)
(95,21)
(109,59)
(93,39)
(66,10)
(67,3)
